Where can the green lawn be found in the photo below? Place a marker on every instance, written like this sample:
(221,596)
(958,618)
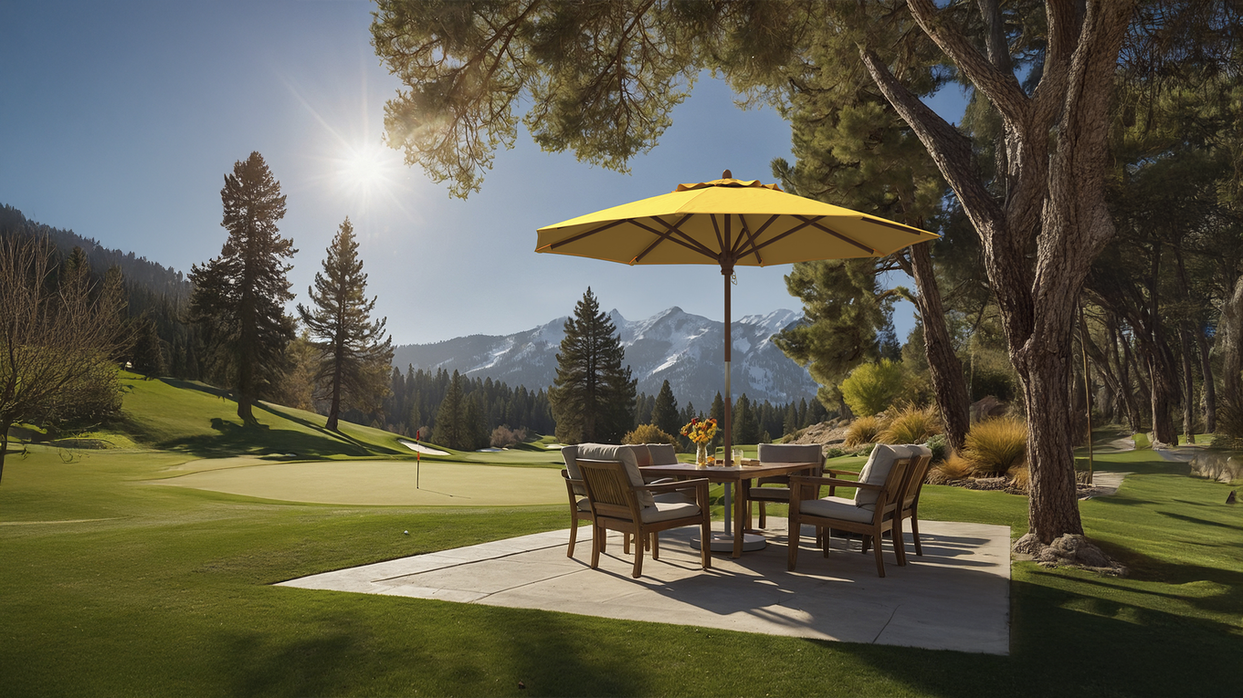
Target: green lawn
(112,586)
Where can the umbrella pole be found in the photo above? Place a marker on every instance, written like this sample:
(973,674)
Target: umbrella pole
(729,404)
(729,398)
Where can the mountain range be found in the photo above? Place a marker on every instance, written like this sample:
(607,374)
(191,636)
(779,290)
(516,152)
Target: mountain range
(672,345)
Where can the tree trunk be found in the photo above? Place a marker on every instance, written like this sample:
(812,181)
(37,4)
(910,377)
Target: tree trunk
(1210,390)
(334,408)
(1049,441)
(1188,335)
(1230,336)
(244,411)
(4,445)
(943,365)
(1124,377)
(1189,385)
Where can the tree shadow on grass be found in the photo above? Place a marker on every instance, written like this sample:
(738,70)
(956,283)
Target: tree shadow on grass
(1069,644)
(234,439)
(369,448)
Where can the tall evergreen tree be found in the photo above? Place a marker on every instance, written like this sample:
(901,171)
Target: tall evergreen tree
(239,296)
(593,396)
(451,417)
(746,426)
(354,352)
(665,412)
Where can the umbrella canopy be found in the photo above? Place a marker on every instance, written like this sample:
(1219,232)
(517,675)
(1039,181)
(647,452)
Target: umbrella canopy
(728,223)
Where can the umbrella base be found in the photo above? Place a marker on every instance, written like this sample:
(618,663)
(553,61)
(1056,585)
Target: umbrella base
(724,542)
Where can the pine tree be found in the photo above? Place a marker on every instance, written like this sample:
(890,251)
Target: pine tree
(239,296)
(790,423)
(354,352)
(593,396)
(746,428)
(450,428)
(665,412)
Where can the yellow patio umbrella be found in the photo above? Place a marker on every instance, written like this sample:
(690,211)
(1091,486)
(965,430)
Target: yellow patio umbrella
(728,223)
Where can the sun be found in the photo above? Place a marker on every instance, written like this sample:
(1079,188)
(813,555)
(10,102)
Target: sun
(367,170)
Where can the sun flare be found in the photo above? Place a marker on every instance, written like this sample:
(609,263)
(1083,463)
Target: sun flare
(368,170)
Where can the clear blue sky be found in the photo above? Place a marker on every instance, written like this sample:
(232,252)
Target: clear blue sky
(119,119)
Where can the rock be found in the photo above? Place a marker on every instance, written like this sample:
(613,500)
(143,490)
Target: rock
(987,407)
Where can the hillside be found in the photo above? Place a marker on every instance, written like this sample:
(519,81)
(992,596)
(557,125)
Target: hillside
(194,418)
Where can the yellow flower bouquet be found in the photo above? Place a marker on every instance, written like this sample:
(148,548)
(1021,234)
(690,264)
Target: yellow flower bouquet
(700,432)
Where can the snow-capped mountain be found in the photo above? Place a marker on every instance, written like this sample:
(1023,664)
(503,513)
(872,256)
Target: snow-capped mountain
(672,345)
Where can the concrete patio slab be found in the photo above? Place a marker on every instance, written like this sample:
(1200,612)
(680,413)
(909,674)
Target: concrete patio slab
(955,597)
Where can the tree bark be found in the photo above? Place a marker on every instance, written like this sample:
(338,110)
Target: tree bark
(1188,335)
(1210,389)
(943,365)
(1230,335)
(4,445)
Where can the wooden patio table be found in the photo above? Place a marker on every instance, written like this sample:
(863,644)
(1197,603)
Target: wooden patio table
(734,475)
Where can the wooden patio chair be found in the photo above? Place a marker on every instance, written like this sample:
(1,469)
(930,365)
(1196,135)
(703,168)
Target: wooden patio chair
(873,511)
(580,510)
(777,488)
(910,499)
(616,495)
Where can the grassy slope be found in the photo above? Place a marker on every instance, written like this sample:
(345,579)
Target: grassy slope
(198,420)
(168,594)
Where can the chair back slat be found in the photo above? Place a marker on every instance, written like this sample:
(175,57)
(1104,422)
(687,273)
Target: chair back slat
(915,480)
(609,489)
(891,493)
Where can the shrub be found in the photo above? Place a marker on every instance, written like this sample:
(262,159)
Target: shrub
(862,431)
(996,445)
(1020,478)
(648,434)
(953,468)
(911,425)
(871,388)
(939,446)
(504,437)
(835,452)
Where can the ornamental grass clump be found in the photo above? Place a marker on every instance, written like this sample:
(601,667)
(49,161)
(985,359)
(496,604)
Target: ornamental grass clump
(911,425)
(863,430)
(995,446)
(951,469)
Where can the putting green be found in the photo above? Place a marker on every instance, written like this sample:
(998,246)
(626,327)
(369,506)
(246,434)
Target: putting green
(375,482)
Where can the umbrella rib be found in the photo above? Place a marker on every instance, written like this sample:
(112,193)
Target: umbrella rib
(895,226)
(682,238)
(816,224)
(751,238)
(660,237)
(784,235)
(580,236)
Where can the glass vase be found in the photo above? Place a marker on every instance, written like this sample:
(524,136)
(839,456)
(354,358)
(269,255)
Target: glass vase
(701,454)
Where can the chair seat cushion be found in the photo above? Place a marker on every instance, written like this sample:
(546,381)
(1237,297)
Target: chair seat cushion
(584,505)
(837,508)
(667,511)
(770,494)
